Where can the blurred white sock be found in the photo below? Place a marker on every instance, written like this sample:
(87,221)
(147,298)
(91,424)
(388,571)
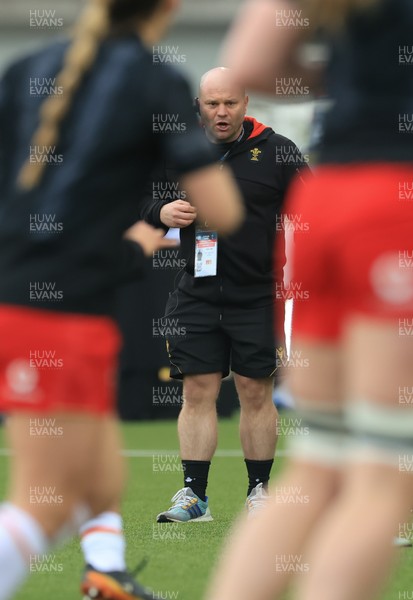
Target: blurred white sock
(22,542)
(103,542)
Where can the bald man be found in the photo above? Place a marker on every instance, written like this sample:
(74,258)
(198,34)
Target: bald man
(224,301)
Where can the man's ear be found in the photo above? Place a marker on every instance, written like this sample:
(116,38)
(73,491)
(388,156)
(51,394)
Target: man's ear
(197,106)
(246,101)
(198,109)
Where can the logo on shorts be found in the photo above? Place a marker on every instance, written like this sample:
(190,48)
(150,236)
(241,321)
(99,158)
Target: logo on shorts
(390,283)
(281,353)
(22,379)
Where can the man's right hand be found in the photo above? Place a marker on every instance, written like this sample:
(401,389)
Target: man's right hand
(179,213)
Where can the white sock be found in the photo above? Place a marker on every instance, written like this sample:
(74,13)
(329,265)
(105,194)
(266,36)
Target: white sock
(103,542)
(80,516)
(21,541)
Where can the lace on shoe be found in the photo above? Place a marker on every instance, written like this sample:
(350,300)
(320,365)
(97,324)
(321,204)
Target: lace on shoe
(257,501)
(183,499)
(139,567)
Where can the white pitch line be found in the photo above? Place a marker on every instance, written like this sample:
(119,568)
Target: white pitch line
(136,453)
(218,453)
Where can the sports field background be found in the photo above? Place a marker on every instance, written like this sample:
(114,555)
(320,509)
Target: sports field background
(180,556)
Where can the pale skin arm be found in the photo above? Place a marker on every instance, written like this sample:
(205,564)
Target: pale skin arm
(260,49)
(216,198)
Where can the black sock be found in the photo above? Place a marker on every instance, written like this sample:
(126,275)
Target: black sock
(258,472)
(196,476)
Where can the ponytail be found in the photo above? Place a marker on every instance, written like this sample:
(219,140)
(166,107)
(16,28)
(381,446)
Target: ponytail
(91,28)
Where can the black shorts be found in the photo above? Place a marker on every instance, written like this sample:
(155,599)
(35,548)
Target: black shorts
(207,338)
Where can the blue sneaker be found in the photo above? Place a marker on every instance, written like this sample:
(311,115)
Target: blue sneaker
(186,507)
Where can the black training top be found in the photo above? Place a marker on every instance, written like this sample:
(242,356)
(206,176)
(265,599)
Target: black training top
(61,244)
(264,164)
(370,79)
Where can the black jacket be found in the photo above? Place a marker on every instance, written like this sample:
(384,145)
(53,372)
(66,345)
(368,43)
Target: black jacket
(108,146)
(264,164)
(370,81)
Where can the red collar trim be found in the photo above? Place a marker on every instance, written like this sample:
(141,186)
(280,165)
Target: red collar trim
(258,127)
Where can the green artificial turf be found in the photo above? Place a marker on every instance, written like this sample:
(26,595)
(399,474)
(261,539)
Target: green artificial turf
(180,556)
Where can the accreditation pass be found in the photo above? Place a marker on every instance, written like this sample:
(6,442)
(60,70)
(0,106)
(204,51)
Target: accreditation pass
(206,253)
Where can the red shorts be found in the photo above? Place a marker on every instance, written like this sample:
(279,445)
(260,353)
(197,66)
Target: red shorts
(353,249)
(52,361)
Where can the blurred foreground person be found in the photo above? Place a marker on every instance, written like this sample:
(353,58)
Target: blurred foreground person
(79,160)
(347,485)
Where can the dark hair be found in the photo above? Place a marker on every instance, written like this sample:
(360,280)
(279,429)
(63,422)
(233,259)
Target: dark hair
(93,26)
(125,10)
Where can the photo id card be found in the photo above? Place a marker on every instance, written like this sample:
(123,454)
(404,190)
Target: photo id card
(206,253)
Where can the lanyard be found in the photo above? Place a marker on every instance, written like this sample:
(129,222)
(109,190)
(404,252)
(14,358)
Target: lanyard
(228,152)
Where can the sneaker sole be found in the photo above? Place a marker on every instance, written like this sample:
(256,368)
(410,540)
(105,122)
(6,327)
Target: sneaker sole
(402,543)
(207,517)
(101,587)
